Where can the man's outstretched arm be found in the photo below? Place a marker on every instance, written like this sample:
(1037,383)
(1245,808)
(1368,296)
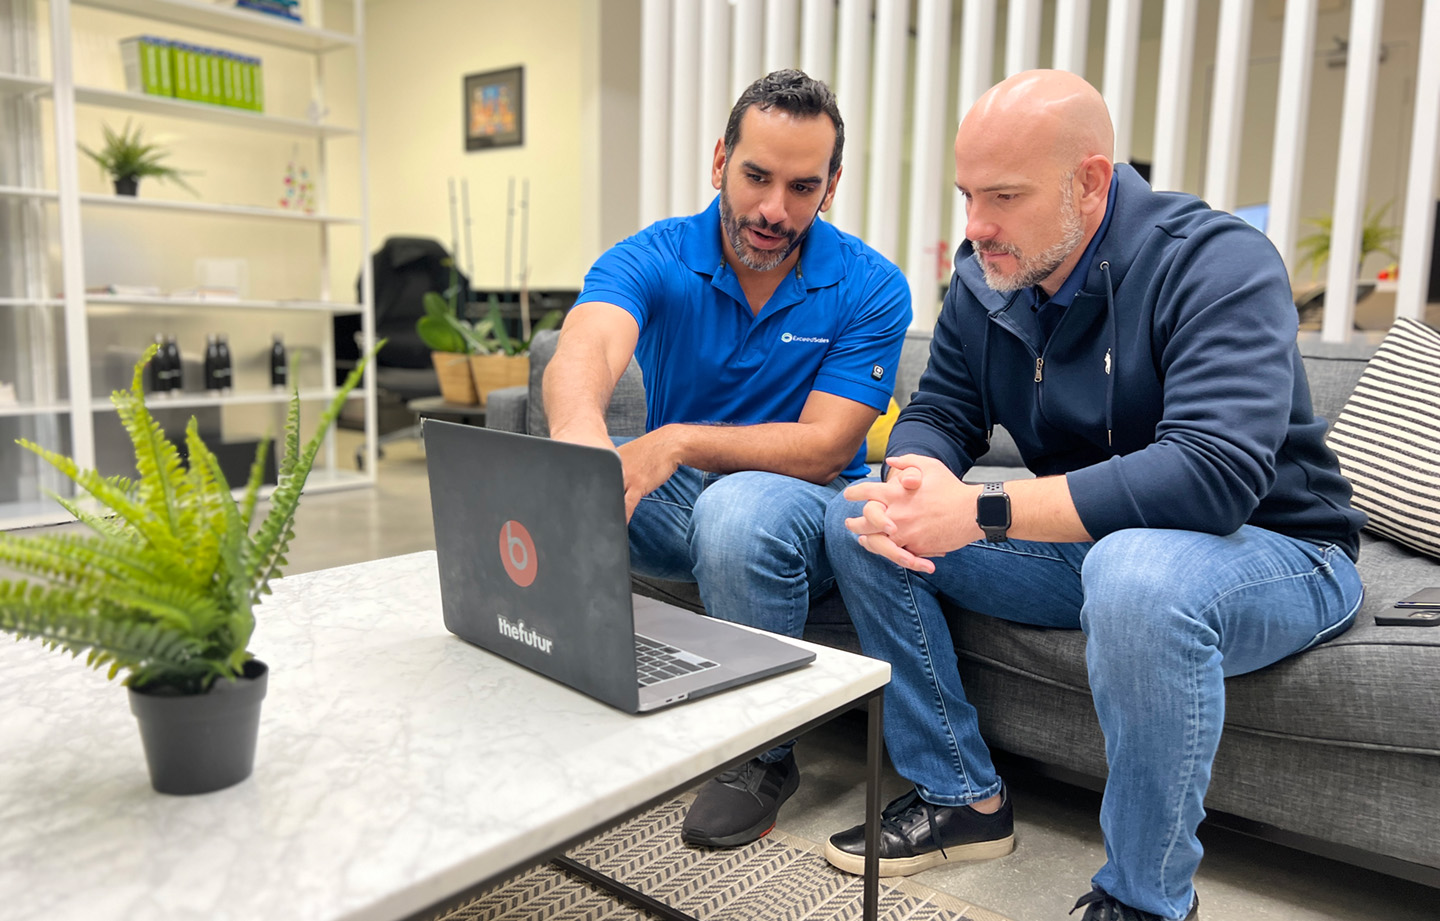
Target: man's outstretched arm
(595,346)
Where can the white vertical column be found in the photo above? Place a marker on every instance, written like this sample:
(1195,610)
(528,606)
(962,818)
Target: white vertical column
(715,99)
(977,74)
(882,216)
(1122,45)
(1352,169)
(1172,103)
(1022,36)
(977,52)
(685,160)
(780,34)
(1072,35)
(852,91)
(747,63)
(77,326)
(1415,252)
(817,39)
(1292,106)
(1227,109)
(927,157)
(654,111)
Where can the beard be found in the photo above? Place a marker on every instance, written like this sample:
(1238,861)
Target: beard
(734,230)
(1031,270)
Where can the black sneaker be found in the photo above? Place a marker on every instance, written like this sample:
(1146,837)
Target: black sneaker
(740,805)
(1101,906)
(915,836)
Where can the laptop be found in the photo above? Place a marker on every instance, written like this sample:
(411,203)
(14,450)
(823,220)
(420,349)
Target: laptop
(534,560)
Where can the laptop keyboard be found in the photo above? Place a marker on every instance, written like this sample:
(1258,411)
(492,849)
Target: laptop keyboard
(656,661)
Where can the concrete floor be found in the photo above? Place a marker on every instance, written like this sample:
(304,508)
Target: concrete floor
(1059,844)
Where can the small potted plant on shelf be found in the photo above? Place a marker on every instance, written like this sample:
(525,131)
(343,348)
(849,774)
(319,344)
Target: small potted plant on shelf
(127,158)
(164,589)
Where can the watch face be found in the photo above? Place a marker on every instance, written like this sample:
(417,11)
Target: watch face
(992,510)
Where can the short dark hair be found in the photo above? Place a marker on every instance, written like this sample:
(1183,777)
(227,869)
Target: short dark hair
(790,91)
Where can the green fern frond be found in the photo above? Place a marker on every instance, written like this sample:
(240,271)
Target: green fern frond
(105,525)
(290,457)
(79,561)
(121,503)
(156,459)
(272,540)
(210,510)
(66,620)
(232,577)
(255,482)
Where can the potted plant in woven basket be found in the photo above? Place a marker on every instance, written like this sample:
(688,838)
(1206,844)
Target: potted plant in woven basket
(164,587)
(452,340)
(504,360)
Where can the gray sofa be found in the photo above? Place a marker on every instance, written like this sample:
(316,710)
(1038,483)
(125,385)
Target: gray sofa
(1335,752)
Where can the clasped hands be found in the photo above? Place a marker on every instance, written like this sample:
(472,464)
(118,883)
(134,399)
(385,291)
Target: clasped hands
(922,510)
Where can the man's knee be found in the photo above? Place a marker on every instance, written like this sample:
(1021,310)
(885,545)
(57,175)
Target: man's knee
(754,514)
(1141,585)
(840,541)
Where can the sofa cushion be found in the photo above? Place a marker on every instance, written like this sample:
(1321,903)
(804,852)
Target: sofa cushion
(1372,686)
(1386,438)
(625,414)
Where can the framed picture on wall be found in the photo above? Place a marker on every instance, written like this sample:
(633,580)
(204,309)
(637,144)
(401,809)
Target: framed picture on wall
(495,109)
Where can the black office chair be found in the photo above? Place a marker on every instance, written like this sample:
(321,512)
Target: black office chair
(404,269)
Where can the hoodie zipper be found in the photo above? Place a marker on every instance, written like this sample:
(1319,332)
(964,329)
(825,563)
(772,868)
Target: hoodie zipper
(1039,370)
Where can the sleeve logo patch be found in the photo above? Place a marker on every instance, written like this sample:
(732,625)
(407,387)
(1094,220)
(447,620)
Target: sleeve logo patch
(877,372)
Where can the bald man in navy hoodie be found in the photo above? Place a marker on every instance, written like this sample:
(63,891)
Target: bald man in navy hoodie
(1186,514)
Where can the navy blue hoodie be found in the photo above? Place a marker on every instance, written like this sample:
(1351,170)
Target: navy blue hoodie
(1171,393)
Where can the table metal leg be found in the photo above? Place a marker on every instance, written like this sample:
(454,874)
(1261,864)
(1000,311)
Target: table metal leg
(874,761)
(874,749)
(620,890)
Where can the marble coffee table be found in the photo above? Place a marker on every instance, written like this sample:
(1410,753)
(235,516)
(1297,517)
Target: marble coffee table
(398,767)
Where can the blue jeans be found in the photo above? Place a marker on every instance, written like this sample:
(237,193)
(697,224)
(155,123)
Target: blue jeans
(1167,616)
(753,542)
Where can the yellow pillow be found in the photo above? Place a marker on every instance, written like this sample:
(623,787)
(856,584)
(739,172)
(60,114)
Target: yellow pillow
(880,434)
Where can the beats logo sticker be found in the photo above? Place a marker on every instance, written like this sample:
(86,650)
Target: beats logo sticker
(517,552)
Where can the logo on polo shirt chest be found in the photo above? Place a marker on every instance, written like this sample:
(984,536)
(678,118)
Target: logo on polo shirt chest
(815,340)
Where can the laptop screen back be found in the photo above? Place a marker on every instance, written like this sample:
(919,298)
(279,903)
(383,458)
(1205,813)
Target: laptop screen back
(534,555)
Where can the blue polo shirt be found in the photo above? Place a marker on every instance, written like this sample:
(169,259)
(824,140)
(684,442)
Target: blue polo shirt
(835,324)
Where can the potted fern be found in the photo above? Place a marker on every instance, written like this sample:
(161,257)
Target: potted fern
(1313,250)
(164,588)
(127,158)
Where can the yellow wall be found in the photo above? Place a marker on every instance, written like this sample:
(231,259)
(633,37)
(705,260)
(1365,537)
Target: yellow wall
(418,52)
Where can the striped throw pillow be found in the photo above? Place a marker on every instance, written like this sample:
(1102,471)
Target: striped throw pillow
(1388,437)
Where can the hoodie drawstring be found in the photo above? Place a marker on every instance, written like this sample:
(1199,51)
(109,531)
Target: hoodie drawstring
(1110,358)
(985,383)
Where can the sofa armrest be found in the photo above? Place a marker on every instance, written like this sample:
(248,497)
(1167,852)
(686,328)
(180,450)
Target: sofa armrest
(505,409)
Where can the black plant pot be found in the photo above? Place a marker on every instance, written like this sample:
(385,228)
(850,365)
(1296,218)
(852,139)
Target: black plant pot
(127,185)
(199,743)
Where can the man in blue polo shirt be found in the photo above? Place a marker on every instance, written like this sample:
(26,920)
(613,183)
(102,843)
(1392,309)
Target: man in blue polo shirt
(768,341)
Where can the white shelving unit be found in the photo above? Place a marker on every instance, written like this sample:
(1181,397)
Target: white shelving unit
(55,356)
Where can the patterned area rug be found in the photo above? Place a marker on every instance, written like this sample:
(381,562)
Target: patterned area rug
(778,878)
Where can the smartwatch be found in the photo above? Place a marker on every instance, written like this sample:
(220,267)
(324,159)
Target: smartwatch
(992,512)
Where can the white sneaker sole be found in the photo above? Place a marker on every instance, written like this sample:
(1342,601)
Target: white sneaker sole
(905,866)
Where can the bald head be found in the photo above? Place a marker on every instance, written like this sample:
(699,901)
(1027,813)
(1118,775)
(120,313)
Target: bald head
(1033,158)
(1051,113)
